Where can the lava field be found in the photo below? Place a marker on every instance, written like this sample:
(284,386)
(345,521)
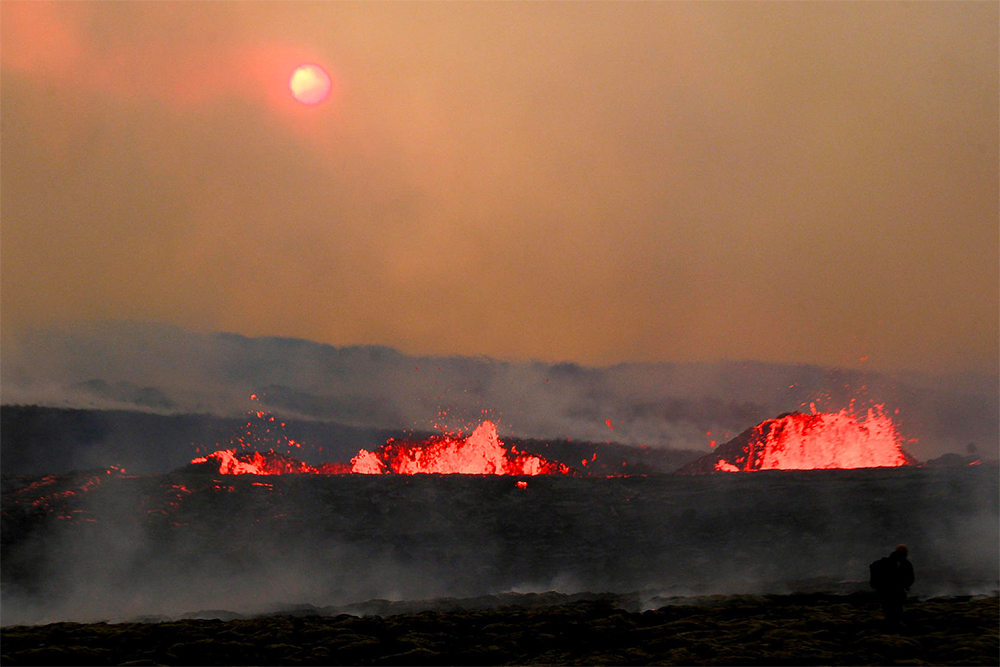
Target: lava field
(110,546)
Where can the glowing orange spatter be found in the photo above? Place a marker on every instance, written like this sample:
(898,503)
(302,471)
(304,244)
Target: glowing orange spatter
(481,453)
(232,462)
(253,450)
(820,440)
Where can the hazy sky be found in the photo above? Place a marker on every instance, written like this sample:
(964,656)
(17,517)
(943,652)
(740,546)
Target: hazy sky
(595,182)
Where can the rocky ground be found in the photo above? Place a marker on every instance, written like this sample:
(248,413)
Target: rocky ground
(89,547)
(791,629)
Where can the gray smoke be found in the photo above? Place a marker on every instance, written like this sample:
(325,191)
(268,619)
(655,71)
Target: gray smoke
(333,541)
(168,370)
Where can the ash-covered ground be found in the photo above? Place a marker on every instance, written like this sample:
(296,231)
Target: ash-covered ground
(107,546)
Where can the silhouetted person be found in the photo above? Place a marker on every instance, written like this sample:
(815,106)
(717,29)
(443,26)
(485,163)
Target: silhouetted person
(892,577)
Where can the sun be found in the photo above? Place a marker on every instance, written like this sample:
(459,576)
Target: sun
(310,84)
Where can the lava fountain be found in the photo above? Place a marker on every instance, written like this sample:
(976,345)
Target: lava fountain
(481,453)
(821,440)
(260,448)
(231,462)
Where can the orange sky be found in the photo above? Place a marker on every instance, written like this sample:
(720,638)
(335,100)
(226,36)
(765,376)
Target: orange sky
(595,182)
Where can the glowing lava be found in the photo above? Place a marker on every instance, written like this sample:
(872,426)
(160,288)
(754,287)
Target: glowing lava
(232,462)
(246,454)
(481,453)
(821,440)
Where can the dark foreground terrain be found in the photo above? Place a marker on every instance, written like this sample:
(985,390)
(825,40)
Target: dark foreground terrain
(99,546)
(792,629)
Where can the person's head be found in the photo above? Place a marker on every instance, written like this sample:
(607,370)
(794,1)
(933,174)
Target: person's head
(901,552)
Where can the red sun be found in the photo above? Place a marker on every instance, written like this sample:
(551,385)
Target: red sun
(310,84)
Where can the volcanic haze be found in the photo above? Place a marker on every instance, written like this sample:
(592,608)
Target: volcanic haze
(594,183)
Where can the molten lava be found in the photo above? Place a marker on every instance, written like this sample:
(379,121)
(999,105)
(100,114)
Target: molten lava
(246,454)
(232,462)
(799,441)
(481,453)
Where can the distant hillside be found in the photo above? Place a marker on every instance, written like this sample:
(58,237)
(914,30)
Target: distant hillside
(36,439)
(612,458)
(42,440)
(166,370)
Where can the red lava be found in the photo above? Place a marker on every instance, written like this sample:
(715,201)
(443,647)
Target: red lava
(481,453)
(254,450)
(820,441)
(232,462)
(790,442)
(57,503)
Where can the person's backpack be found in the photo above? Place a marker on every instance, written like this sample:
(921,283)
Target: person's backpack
(882,573)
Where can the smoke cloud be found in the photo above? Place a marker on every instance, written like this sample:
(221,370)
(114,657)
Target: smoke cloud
(796,183)
(330,542)
(168,370)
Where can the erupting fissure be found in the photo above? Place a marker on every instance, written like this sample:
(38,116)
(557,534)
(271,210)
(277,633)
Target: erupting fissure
(232,462)
(481,453)
(246,454)
(820,440)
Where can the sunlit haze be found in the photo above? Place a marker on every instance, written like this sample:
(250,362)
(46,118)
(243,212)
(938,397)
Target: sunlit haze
(590,182)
